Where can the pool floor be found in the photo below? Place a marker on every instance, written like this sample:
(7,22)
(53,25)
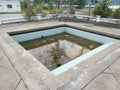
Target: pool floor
(56,50)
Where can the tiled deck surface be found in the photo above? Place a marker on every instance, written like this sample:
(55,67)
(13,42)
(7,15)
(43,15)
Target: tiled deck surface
(11,79)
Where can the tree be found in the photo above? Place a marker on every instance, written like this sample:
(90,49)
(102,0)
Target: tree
(94,1)
(50,4)
(70,2)
(58,3)
(25,2)
(103,9)
(37,1)
(91,2)
(71,8)
(116,14)
(81,3)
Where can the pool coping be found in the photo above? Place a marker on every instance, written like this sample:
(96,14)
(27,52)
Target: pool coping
(65,25)
(75,78)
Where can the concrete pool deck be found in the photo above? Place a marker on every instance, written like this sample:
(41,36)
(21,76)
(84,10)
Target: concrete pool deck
(19,70)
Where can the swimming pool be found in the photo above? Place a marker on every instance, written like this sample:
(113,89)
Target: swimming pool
(105,41)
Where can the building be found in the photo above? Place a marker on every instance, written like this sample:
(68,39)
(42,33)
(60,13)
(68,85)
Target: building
(10,6)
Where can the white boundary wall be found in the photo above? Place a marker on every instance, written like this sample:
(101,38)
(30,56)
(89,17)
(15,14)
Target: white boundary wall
(14,3)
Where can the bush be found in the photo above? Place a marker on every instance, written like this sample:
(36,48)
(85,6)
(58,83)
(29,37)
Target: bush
(44,13)
(37,9)
(32,11)
(56,11)
(116,13)
(102,12)
(71,10)
(29,13)
(103,9)
(81,3)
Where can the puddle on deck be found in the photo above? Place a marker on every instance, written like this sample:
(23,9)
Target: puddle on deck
(56,50)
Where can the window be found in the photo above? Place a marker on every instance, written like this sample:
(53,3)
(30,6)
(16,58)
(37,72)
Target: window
(9,6)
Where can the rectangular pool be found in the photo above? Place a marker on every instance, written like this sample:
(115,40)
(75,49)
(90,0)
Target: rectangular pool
(61,48)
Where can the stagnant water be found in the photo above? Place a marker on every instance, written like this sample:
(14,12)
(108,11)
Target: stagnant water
(56,50)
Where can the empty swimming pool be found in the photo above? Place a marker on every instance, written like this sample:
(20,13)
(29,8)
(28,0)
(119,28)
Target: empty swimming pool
(72,45)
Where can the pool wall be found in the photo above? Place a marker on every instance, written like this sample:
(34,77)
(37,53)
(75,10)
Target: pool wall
(38,34)
(76,61)
(91,36)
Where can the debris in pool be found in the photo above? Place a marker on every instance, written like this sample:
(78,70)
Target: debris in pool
(66,35)
(91,46)
(42,37)
(57,50)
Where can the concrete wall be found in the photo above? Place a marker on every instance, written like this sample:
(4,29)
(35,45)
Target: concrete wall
(14,3)
(114,7)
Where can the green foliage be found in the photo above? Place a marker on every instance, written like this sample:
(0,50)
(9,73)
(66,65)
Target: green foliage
(50,4)
(84,11)
(102,12)
(56,11)
(29,12)
(81,3)
(44,13)
(38,1)
(37,9)
(57,3)
(102,9)
(32,10)
(71,10)
(70,2)
(116,13)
